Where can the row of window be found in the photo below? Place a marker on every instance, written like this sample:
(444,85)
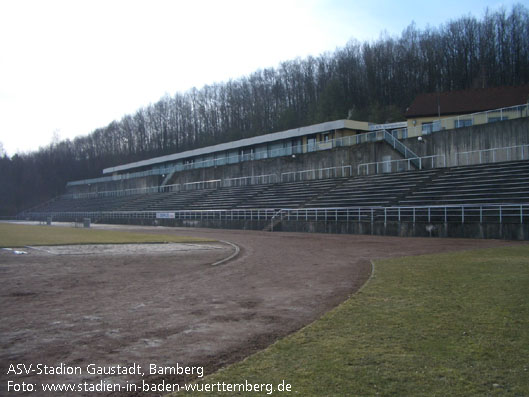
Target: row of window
(433,126)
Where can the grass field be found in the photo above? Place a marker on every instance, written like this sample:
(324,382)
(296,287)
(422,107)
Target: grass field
(13,235)
(439,325)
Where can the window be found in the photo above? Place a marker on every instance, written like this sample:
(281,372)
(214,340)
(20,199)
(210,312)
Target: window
(296,146)
(311,144)
(188,164)
(494,119)
(220,159)
(463,123)
(427,128)
(246,154)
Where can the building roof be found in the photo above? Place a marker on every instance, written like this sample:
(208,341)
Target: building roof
(275,136)
(468,101)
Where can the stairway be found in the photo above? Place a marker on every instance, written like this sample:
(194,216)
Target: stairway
(402,149)
(276,220)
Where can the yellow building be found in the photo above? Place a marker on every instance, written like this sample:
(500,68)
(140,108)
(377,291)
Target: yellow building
(454,109)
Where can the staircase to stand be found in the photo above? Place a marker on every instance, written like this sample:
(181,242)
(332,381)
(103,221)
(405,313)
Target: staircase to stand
(276,220)
(167,179)
(402,149)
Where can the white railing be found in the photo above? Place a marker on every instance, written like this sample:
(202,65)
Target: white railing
(211,184)
(250,180)
(490,213)
(401,165)
(507,153)
(170,188)
(399,146)
(124,192)
(319,173)
(501,213)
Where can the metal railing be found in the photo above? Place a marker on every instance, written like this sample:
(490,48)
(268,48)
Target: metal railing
(123,192)
(507,153)
(250,180)
(399,146)
(211,184)
(319,173)
(461,214)
(501,213)
(401,165)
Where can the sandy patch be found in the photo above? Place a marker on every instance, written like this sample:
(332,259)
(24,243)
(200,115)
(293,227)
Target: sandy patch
(124,249)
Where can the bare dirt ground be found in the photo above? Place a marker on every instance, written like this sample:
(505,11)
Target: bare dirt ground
(165,307)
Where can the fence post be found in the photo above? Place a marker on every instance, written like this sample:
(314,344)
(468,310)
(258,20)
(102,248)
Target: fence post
(500,215)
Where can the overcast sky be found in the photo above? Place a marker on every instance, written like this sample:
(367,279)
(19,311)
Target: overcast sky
(68,67)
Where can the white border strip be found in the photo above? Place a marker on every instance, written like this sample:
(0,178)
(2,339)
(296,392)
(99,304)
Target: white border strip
(237,251)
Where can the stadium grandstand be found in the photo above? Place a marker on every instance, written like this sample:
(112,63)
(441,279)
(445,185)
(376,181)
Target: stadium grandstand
(458,166)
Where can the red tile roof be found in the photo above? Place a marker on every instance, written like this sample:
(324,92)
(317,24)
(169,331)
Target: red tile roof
(468,101)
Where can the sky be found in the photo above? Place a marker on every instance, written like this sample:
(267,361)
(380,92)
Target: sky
(68,67)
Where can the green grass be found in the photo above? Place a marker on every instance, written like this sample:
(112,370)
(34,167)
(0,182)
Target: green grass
(438,325)
(13,235)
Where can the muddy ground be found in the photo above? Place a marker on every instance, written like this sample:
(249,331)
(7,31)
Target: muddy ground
(143,306)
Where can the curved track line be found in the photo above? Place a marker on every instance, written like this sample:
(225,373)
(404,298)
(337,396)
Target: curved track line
(232,256)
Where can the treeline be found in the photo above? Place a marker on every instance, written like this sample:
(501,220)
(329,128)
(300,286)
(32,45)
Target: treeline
(372,81)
